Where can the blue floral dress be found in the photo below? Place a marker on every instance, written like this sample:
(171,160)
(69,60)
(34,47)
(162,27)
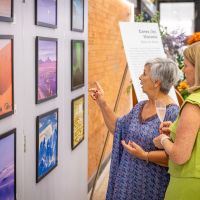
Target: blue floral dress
(132,178)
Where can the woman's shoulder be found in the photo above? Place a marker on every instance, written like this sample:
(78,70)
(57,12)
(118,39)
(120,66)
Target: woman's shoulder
(140,103)
(194,98)
(172,111)
(172,107)
(132,112)
(137,107)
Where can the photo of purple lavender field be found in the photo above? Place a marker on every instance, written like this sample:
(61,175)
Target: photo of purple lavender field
(7,166)
(46,12)
(47,69)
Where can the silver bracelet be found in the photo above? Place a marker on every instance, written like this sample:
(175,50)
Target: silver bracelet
(163,139)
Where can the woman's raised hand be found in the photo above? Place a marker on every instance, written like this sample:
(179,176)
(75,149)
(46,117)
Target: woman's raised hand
(96,92)
(164,127)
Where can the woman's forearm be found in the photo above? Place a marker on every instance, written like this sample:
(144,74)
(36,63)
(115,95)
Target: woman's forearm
(180,151)
(173,153)
(158,157)
(109,116)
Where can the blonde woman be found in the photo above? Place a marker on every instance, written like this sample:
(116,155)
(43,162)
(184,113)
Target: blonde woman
(184,146)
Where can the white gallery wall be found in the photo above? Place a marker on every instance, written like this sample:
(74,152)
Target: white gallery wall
(68,181)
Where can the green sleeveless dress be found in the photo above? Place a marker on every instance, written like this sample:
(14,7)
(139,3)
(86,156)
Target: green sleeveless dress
(185,179)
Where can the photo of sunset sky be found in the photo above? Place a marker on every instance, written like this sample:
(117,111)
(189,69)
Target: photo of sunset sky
(6,86)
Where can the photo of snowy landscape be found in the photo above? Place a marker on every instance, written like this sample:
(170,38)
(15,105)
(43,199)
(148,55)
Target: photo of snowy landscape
(47,143)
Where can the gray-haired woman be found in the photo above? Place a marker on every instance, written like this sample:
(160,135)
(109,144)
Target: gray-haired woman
(138,170)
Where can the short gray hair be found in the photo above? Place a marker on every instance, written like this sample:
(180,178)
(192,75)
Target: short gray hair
(165,70)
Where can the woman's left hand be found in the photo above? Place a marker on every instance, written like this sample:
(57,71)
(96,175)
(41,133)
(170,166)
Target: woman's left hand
(135,149)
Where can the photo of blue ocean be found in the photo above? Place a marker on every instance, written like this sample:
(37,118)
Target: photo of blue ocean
(48,136)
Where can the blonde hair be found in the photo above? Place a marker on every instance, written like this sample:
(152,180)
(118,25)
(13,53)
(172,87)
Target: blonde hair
(192,53)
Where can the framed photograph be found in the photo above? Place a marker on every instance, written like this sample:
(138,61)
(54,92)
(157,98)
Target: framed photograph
(46,69)
(46,13)
(77,119)
(77,64)
(6,10)
(6,76)
(46,143)
(8,165)
(77,15)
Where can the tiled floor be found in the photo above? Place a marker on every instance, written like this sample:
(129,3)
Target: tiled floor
(101,186)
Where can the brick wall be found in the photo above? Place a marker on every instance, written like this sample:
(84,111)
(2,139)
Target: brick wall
(106,64)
